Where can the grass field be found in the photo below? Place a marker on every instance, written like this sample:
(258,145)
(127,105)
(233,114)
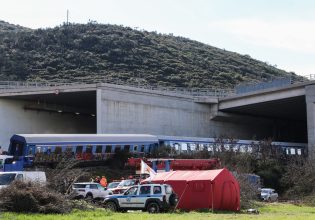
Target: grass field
(273,211)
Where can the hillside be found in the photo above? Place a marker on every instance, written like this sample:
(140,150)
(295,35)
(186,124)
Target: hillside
(90,52)
(5,26)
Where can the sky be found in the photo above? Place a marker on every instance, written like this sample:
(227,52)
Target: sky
(279,32)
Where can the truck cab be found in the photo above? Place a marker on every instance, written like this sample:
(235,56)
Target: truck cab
(7,163)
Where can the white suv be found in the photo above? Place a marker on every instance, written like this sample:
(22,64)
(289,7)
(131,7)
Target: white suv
(269,195)
(89,190)
(148,197)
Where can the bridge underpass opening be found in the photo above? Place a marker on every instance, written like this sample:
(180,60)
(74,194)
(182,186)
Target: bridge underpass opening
(285,119)
(64,112)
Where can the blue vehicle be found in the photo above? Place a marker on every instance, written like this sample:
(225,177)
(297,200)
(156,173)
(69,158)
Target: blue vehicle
(7,163)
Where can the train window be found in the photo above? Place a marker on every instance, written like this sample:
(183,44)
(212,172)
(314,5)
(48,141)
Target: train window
(299,152)
(89,149)
(242,148)
(249,149)
(210,147)
(292,151)
(48,150)
(184,146)
(205,147)
(189,147)
(30,150)
(287,151)
(127,148)
(176,146)
(68,149)
(58,150)
(108,149)
(227,146)
(44,149)
(38,149)
(162,143)
(79,149)
(117,148)
(99,149)
(142,148)
(135,148)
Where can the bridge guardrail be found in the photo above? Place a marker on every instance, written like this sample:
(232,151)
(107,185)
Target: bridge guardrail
(210,92)
(10,85)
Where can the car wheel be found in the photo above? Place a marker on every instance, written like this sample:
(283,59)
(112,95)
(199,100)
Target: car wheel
(269,199)
(89,197)
(111,206)
(153,207)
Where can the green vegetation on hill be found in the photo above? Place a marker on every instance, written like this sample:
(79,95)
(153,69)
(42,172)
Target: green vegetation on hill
(91,52)
(5,26)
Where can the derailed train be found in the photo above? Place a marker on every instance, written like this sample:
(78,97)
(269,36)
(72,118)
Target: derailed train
(51,147)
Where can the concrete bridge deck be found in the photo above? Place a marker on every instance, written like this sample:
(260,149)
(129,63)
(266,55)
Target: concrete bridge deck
(286,114)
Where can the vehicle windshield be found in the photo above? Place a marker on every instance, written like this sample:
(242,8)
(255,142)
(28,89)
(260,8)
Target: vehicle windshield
(132,191)
(79,186)
(125,183)
(265,191)
(7,178)
(99,186)
(112,185)
(168,189)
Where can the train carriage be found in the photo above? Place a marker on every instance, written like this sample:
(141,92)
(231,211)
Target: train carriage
(80,146)
(52,147)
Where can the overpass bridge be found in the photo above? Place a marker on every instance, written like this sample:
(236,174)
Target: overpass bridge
(289,111)
(284,114)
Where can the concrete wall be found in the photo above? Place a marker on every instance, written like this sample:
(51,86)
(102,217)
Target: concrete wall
(310,109)
(236,126)
(137,111)
(14,119)
(120,110)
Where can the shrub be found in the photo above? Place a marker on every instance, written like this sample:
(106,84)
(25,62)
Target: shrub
(249,192)
(30,197)
(299,178)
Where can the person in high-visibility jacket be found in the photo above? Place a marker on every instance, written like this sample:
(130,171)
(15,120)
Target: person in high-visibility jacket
(103,181)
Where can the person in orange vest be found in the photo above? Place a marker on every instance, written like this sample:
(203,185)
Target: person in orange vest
(103,181)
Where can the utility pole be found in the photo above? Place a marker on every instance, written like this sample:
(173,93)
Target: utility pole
(67,17)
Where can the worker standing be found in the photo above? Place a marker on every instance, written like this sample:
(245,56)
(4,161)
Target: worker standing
(97,179)
(103,181)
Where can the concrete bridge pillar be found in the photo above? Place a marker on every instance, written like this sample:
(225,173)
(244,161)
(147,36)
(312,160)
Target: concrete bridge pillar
(310,111)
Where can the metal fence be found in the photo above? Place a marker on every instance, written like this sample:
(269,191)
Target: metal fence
(276,83)
(138,83)
(273,83)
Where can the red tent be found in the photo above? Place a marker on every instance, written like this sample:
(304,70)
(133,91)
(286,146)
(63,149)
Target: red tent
(203,189)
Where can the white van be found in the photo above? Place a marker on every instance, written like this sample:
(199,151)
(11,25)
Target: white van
(33,176)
